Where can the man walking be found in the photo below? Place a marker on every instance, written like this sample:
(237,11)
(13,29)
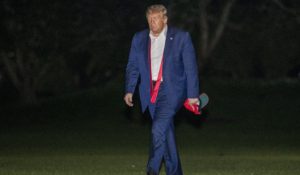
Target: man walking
(163,59)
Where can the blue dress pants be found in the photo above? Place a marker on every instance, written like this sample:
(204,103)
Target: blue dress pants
(163,146)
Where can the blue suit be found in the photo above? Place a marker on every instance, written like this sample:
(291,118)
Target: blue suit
(180,81)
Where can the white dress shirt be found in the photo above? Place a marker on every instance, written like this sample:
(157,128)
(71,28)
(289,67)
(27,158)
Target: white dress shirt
(157,51)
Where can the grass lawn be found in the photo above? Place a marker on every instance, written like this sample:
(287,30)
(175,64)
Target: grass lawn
(246,130)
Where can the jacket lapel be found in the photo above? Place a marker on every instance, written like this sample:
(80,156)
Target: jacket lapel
(145,48)
(168,45)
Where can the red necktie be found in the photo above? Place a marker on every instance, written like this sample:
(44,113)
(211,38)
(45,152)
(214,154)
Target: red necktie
(154,92)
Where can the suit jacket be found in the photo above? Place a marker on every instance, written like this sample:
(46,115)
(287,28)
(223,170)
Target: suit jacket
(180,72)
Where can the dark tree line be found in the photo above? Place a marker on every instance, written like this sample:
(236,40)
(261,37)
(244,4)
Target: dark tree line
(61,46)
(242,39)
(58,47)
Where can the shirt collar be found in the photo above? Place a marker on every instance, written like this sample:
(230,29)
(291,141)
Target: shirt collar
(162,33)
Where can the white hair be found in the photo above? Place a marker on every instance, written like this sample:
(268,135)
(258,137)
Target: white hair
(157,8)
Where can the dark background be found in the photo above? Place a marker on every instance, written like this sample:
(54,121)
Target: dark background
(51,48)
(62,67)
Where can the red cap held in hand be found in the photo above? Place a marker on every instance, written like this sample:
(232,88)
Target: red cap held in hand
(193,108)
(196,108)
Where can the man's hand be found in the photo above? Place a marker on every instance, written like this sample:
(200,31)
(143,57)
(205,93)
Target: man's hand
(193,101)
(128,99)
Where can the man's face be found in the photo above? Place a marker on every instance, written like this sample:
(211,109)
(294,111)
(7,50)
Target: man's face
(156,22)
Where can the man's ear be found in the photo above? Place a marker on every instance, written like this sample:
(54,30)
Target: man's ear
(165,20)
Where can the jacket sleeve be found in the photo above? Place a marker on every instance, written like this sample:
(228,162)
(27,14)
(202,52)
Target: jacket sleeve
(190,67)
(132,71)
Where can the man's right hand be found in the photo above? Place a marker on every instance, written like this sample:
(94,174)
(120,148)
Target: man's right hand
(128,99)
